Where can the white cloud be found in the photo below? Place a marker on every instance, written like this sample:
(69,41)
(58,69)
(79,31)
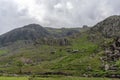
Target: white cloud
(58,6)
(69,5)
(34,10)
(55,13)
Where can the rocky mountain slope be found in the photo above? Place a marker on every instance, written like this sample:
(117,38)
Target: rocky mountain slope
(93,52)
(28,32)
(109,27)
(33,32)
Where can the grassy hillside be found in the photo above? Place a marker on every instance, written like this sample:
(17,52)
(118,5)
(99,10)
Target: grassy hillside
(81,58)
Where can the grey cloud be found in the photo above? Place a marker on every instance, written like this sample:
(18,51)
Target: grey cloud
(55,13)
(10,18)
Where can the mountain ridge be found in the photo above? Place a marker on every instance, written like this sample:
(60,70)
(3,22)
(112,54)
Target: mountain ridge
(34,32)
(28,32)
(109,27)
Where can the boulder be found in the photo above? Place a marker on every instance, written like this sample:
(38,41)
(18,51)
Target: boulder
(106,67)
(75,51)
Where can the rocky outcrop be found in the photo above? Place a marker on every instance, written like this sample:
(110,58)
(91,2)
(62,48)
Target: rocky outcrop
(109,27)
(53,42)
(111,56)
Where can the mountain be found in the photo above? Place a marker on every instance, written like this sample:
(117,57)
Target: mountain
(70,52)
(110,27)
(28,32)
(35,31)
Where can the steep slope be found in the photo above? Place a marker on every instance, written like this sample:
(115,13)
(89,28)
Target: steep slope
(110,27)
(28,32)
(33,32)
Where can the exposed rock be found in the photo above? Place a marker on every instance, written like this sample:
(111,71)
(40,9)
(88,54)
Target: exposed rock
(52,42)
(106,67)
(28,32)
(112,54)
(109,27)
(26,60)
(85,75)
(89,68)
(85,26)
(33,32)
(113,68)
(75,51)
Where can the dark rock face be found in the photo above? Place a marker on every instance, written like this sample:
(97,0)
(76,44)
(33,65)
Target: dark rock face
(110,27)
(28,32)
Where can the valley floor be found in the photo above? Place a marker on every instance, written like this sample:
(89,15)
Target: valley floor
(53,78)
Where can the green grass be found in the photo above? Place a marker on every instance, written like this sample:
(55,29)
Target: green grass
(74,78)
(54,78)
(82,43)
(2,52)
(77,63)
(13,78)
(61,61)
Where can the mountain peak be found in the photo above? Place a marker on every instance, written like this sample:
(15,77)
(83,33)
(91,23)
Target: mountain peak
(114,16)
(28,32)
(109,27)
(32,26)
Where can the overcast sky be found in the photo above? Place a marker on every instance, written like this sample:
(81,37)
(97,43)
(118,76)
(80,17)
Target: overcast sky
(55,13)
